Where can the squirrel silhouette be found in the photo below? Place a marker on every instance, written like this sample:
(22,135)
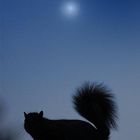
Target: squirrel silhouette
(94,102)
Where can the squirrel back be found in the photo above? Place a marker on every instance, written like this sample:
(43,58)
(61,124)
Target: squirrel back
(95,102)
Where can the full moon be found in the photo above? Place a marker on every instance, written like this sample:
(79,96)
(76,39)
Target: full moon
(70,9)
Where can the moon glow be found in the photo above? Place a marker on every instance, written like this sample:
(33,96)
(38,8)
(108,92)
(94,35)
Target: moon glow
(70,9)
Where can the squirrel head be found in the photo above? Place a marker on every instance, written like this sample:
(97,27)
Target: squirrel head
(33,115)
(33,121)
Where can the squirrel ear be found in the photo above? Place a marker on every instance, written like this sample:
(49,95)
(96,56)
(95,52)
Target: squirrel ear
(41,114)
(25,114)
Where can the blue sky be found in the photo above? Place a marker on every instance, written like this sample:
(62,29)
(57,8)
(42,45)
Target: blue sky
(46,55)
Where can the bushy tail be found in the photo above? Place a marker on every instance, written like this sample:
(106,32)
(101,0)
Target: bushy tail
(96,103)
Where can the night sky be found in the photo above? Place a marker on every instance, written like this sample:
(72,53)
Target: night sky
(50,47)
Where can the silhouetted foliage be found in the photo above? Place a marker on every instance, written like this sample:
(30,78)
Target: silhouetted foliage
(5,133)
